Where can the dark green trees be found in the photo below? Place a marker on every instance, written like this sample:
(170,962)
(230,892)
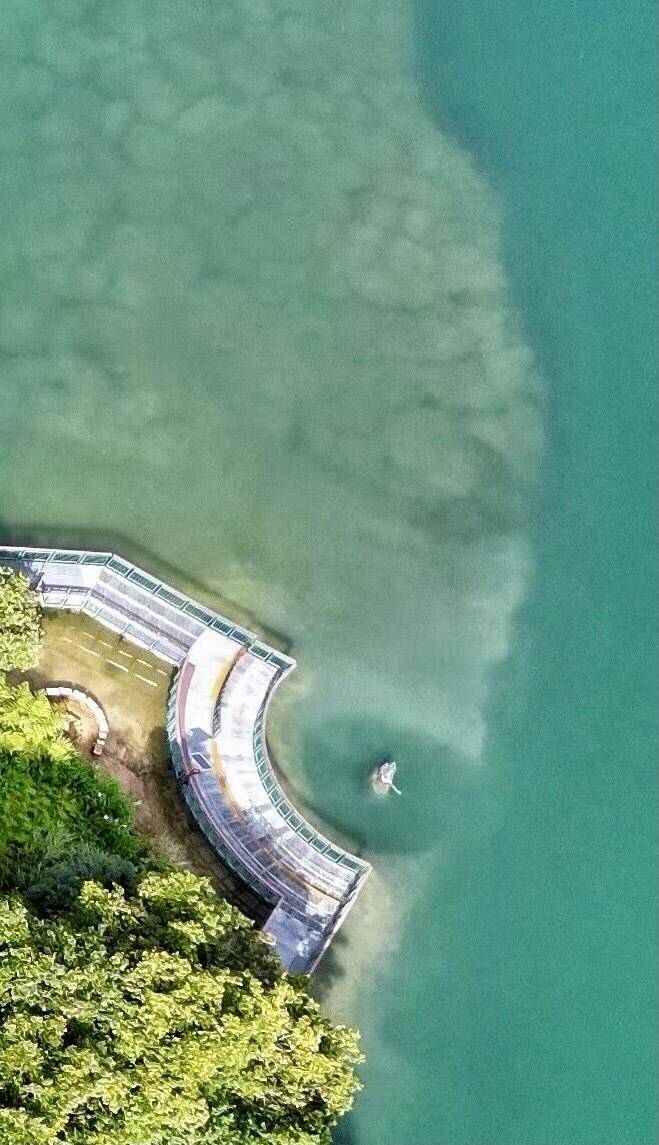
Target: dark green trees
(160,1018)
(20,629)
(136,1007)
(56,811)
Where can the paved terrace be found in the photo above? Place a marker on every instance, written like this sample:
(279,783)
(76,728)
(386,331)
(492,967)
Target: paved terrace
(215,722)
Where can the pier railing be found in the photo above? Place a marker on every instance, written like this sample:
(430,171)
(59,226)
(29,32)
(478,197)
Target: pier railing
(150,613)
(133,577)
(301,826)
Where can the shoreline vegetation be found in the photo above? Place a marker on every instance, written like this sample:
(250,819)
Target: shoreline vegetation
(223,680)
(136,1004)
(76,648)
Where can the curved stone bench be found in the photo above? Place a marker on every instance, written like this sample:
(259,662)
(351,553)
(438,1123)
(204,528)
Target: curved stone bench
(92,705)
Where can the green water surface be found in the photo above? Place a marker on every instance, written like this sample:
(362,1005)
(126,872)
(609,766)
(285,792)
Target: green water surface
(291,295)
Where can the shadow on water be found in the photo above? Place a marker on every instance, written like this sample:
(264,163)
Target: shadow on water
(331,969)
(345,1133)
(110,540)
(438,786)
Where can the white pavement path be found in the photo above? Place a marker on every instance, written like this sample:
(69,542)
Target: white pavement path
(216,713)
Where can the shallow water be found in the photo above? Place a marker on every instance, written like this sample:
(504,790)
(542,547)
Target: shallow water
(255,321)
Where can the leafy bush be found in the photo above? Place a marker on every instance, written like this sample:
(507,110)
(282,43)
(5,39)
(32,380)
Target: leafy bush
(53,801)
(55,804)
(30,723)
(128,1020)
(20,627)
(53,885)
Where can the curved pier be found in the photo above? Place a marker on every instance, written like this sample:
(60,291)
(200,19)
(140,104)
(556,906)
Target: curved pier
(223,682)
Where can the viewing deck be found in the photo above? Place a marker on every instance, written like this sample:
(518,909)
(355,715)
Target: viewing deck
(223,683)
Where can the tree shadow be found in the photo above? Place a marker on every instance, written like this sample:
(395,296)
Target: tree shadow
(158,746)
(345,1132)
(330,969)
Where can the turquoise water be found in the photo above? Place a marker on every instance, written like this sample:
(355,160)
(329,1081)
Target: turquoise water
(257,331)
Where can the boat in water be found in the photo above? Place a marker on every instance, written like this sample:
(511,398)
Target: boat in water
(382,778)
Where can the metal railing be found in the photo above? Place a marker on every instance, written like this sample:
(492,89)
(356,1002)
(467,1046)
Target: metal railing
(139,579)
(133,574)
(285,808)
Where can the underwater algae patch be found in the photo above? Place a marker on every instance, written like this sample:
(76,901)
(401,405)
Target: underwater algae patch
(250,284)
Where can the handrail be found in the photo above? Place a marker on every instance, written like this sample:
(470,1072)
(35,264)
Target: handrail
(108,593)
(276,794)
(158,588)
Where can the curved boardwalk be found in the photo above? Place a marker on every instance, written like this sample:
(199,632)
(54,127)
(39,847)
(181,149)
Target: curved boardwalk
(215,722)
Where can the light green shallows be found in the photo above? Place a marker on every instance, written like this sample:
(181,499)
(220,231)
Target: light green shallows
(254,325)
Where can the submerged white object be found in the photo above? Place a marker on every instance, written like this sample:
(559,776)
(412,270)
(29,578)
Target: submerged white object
(382,778)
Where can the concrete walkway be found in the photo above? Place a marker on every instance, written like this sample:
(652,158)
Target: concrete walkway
(223,682)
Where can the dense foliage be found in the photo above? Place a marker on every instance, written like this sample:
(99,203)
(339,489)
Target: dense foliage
(159,1019)
(20,627)
(29,723)
(136,1007)
(55,808)
(51,806)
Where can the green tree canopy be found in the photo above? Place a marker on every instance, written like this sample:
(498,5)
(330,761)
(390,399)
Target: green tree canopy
(30,723)
(20,627)
(160,1018)
(60,819)
(136,1007)
(52,806)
